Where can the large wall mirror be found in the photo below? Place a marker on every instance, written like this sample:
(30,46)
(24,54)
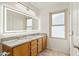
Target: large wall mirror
(17,21)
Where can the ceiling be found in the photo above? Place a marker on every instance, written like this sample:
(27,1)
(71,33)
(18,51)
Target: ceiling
(37,6)
(44,5)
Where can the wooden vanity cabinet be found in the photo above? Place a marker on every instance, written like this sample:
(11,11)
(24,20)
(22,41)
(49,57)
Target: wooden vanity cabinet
(40,47)
(44,42)
(22,50)
(33,48)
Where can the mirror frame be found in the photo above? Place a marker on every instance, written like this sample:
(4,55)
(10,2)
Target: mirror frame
(5,8)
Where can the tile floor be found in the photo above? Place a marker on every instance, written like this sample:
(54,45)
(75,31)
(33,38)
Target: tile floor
(49,52)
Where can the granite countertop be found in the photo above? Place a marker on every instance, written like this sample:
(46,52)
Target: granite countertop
(16,42)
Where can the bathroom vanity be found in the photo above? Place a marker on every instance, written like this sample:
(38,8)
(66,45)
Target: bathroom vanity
(26,46)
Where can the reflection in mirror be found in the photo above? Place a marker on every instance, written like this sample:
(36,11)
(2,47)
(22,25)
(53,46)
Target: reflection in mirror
(15,21)
(29,24)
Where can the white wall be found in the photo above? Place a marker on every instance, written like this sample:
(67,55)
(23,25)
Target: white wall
(57,44)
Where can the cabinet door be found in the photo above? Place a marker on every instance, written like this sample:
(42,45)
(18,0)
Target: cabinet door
(0,47)
(44,42)
(34,48)
(22,50)
(39,45)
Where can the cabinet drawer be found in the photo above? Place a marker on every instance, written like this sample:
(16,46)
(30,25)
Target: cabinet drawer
(33,42)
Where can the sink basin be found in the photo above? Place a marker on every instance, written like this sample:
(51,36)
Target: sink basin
(12,42)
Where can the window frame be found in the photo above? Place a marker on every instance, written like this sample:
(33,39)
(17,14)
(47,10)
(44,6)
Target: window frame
(50,23)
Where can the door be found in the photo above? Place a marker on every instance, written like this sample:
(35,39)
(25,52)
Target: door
(40,48)
(44,42)
(34,48)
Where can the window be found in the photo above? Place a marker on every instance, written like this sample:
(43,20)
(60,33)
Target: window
(29,24)
(58,25)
